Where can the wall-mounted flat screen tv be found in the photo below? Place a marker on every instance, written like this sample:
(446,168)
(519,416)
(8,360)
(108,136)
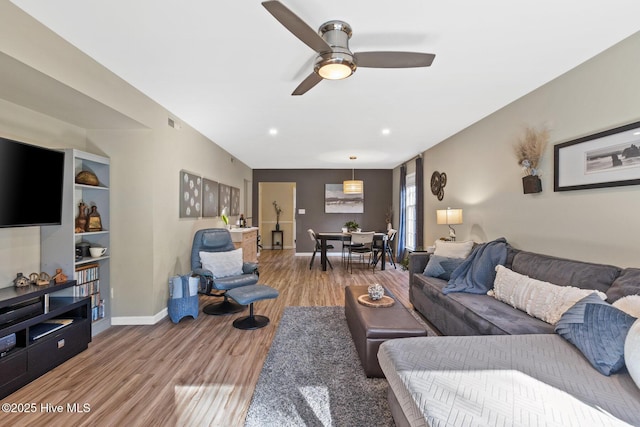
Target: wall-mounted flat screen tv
(31,183)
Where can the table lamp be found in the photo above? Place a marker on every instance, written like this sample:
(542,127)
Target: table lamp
(449,217)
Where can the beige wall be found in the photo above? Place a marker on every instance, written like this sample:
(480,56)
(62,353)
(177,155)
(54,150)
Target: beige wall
(284,194)
(149,242)
(599,225)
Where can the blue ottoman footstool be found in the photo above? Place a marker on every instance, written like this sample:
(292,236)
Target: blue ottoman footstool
(248,295)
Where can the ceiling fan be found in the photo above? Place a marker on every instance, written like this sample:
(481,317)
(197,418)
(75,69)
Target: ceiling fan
(335,61)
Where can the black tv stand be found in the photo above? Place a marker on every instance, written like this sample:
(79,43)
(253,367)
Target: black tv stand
(31,357)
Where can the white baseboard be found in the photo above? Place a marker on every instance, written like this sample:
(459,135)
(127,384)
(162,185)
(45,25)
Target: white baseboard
(318,254)
(139,320)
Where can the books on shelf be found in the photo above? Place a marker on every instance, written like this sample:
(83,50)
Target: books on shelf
(46,327)
(88,285)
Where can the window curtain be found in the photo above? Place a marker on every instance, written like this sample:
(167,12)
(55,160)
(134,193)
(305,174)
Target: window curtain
(403,214)
(419,204)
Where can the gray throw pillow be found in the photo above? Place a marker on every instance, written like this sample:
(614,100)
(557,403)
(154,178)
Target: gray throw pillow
(441,267)
(598,330)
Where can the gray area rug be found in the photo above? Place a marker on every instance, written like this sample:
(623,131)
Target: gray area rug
(312,376)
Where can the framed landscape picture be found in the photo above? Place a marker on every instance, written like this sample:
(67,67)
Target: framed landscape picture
(606,159)
(335,201)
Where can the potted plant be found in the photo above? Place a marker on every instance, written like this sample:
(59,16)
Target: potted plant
(351,225)
(278,212)
(529,150)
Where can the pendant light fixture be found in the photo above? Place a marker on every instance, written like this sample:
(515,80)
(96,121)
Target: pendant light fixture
(352,186)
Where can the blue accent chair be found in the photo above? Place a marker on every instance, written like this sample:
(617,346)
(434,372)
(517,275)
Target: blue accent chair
(219,240)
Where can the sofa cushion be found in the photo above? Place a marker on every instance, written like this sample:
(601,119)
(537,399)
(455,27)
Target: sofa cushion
(565,272)
(629,304)
(453,249)
(632,352)
(222,264)
(441,267)
(628,283)
(470,314)
(543,300)
(598,330)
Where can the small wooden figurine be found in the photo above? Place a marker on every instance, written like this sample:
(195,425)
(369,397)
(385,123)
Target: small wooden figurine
(59,277)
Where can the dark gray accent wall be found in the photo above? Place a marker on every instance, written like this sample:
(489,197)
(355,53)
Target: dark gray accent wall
(310,197)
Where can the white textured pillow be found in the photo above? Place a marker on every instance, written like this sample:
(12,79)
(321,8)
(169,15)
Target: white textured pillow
(453,249)
(222,264)
(629,304)
(632,352)
(543,300)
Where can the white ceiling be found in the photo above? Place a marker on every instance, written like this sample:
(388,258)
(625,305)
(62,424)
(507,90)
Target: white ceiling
(227,68)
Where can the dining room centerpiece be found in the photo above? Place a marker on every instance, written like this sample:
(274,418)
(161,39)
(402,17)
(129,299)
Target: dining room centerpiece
(351,226)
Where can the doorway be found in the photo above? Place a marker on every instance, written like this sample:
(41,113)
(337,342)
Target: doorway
(284,194)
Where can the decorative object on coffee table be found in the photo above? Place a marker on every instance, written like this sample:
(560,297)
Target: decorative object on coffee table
(529,150)
(376,291)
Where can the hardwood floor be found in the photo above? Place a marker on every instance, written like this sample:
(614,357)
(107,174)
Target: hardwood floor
(196,373)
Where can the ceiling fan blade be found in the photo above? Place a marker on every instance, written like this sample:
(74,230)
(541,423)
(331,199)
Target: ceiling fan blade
(393,59)
(311,80)
(297,26)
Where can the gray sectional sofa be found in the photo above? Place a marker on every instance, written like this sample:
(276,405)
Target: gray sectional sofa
(472,314)
(499,366)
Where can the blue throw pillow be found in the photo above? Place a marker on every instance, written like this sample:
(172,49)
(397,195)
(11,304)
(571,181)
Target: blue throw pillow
(598,330)
(441,267)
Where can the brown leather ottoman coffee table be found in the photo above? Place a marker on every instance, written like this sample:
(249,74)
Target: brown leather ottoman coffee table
(371,326)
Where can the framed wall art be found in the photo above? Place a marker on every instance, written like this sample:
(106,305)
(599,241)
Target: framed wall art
(224,199)
(335,201)
(190,195)
(209,198)
(235,201)
(606,159)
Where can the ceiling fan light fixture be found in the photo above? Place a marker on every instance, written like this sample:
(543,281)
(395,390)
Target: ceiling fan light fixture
(334,67)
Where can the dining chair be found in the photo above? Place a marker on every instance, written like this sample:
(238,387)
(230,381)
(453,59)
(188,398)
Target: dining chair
(317,246)
(361,245)
(379,245)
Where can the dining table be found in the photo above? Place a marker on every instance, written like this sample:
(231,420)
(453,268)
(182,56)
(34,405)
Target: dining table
(324,237)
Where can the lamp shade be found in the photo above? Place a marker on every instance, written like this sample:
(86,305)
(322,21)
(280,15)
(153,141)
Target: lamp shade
(352,187)
(449,216)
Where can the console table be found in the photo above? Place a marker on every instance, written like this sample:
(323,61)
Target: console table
(34,355)
(277,243)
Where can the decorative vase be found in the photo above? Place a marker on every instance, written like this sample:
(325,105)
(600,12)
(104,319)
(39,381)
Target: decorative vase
(375,292)
(277,226)
(531,184)
(81,219)
(95,223)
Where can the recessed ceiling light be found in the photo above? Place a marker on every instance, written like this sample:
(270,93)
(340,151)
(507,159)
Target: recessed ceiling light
(386,131)
(637,133)
(273,131)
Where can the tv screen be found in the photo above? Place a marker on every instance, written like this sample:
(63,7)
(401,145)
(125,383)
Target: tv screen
(31,182)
